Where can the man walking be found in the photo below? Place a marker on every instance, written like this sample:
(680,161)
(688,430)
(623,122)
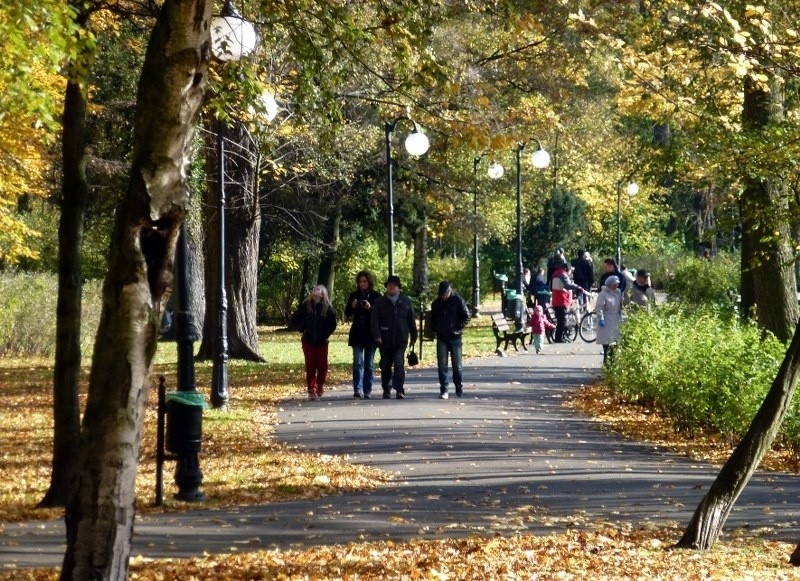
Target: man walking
(449,315)
(392,324)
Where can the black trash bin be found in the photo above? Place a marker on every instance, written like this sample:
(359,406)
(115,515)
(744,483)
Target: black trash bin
(184,422)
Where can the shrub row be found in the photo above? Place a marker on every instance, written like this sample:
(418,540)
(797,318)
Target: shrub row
(703,369)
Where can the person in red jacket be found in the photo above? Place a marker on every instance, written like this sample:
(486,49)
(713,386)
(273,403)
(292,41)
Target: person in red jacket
(561,299)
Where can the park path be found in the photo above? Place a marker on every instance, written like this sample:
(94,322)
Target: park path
(506,457)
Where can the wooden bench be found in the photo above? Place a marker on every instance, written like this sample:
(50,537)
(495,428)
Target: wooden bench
(503,333)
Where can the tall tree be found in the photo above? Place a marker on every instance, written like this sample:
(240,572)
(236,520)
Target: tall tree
(100,512)
(74,198)
(243,223)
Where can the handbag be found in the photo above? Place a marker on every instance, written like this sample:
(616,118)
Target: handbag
(412,358)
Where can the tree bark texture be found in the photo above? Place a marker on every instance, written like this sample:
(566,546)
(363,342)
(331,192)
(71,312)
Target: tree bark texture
(766,236)
(327,266)
(100,512)
(420,284)
(67,368)
(242,225)
(710,516)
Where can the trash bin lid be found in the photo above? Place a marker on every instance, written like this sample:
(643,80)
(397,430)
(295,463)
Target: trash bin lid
(500,276)
(191,398)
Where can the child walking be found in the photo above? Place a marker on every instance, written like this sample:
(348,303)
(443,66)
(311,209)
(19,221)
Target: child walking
(539,324)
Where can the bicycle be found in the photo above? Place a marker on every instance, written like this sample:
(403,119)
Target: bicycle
(570,328)
(587,327)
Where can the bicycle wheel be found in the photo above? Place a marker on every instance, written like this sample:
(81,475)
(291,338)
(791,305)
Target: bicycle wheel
(550,334)
(588,327)
(570,332)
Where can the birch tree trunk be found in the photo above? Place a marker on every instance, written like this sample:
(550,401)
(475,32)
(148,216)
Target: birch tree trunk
(100,511)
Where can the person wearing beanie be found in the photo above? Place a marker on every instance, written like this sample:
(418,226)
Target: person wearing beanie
(392,324)
(609,314)
(449,315)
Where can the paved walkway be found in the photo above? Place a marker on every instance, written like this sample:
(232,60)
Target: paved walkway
(506,457)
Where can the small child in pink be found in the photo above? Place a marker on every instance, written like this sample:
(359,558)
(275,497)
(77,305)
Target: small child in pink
(538,324)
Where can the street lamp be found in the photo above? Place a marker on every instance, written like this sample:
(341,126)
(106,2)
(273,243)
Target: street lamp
(232,37)
(495,171)
(540,160)
(416,144)
(631,189)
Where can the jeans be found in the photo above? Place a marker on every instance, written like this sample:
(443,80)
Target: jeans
(452,348)
(363,368)
(316,357)
(393,370)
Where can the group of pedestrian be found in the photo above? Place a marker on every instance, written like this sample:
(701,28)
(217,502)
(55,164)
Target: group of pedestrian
(616,287)
(383,323)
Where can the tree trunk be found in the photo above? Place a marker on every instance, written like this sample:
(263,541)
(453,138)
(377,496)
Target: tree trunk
(327,266)
(764,210)
(710,516)
(242,224)
(100,512)
(420,283)
(67,367)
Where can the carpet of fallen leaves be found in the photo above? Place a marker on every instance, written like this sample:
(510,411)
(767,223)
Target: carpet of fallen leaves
(606,553)
(241,461)
(637,422)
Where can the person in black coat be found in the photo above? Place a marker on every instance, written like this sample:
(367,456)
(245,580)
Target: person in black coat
(359,309)
(392,325)
(449,315)
(315,318)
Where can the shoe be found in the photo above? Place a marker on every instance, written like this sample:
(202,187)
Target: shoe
(387,395)
(313,397)
(358,395)
(319,393)
(444,395)
(401,395)
(459,391)
(367,396)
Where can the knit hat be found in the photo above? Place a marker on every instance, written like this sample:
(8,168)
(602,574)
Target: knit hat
(444,286)
(612,280)
(393,279)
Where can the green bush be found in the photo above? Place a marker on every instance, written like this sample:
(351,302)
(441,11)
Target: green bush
(699,282)
(28,314)
(703,369)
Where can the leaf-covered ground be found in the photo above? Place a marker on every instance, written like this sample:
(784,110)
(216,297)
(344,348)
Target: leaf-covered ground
(243,464)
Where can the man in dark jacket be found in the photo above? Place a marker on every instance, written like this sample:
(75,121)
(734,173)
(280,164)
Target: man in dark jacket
(449,315)
(610,268)
(392,324)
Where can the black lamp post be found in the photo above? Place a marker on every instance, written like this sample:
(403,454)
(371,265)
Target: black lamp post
(185,407)
(540,160)
(495,171)
(232,37)
(631,189)
(417,144)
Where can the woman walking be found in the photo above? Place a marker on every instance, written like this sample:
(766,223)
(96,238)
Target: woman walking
(359,308)
(609,313)
(316,320)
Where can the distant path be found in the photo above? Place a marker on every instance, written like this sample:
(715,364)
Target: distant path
(506,457)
